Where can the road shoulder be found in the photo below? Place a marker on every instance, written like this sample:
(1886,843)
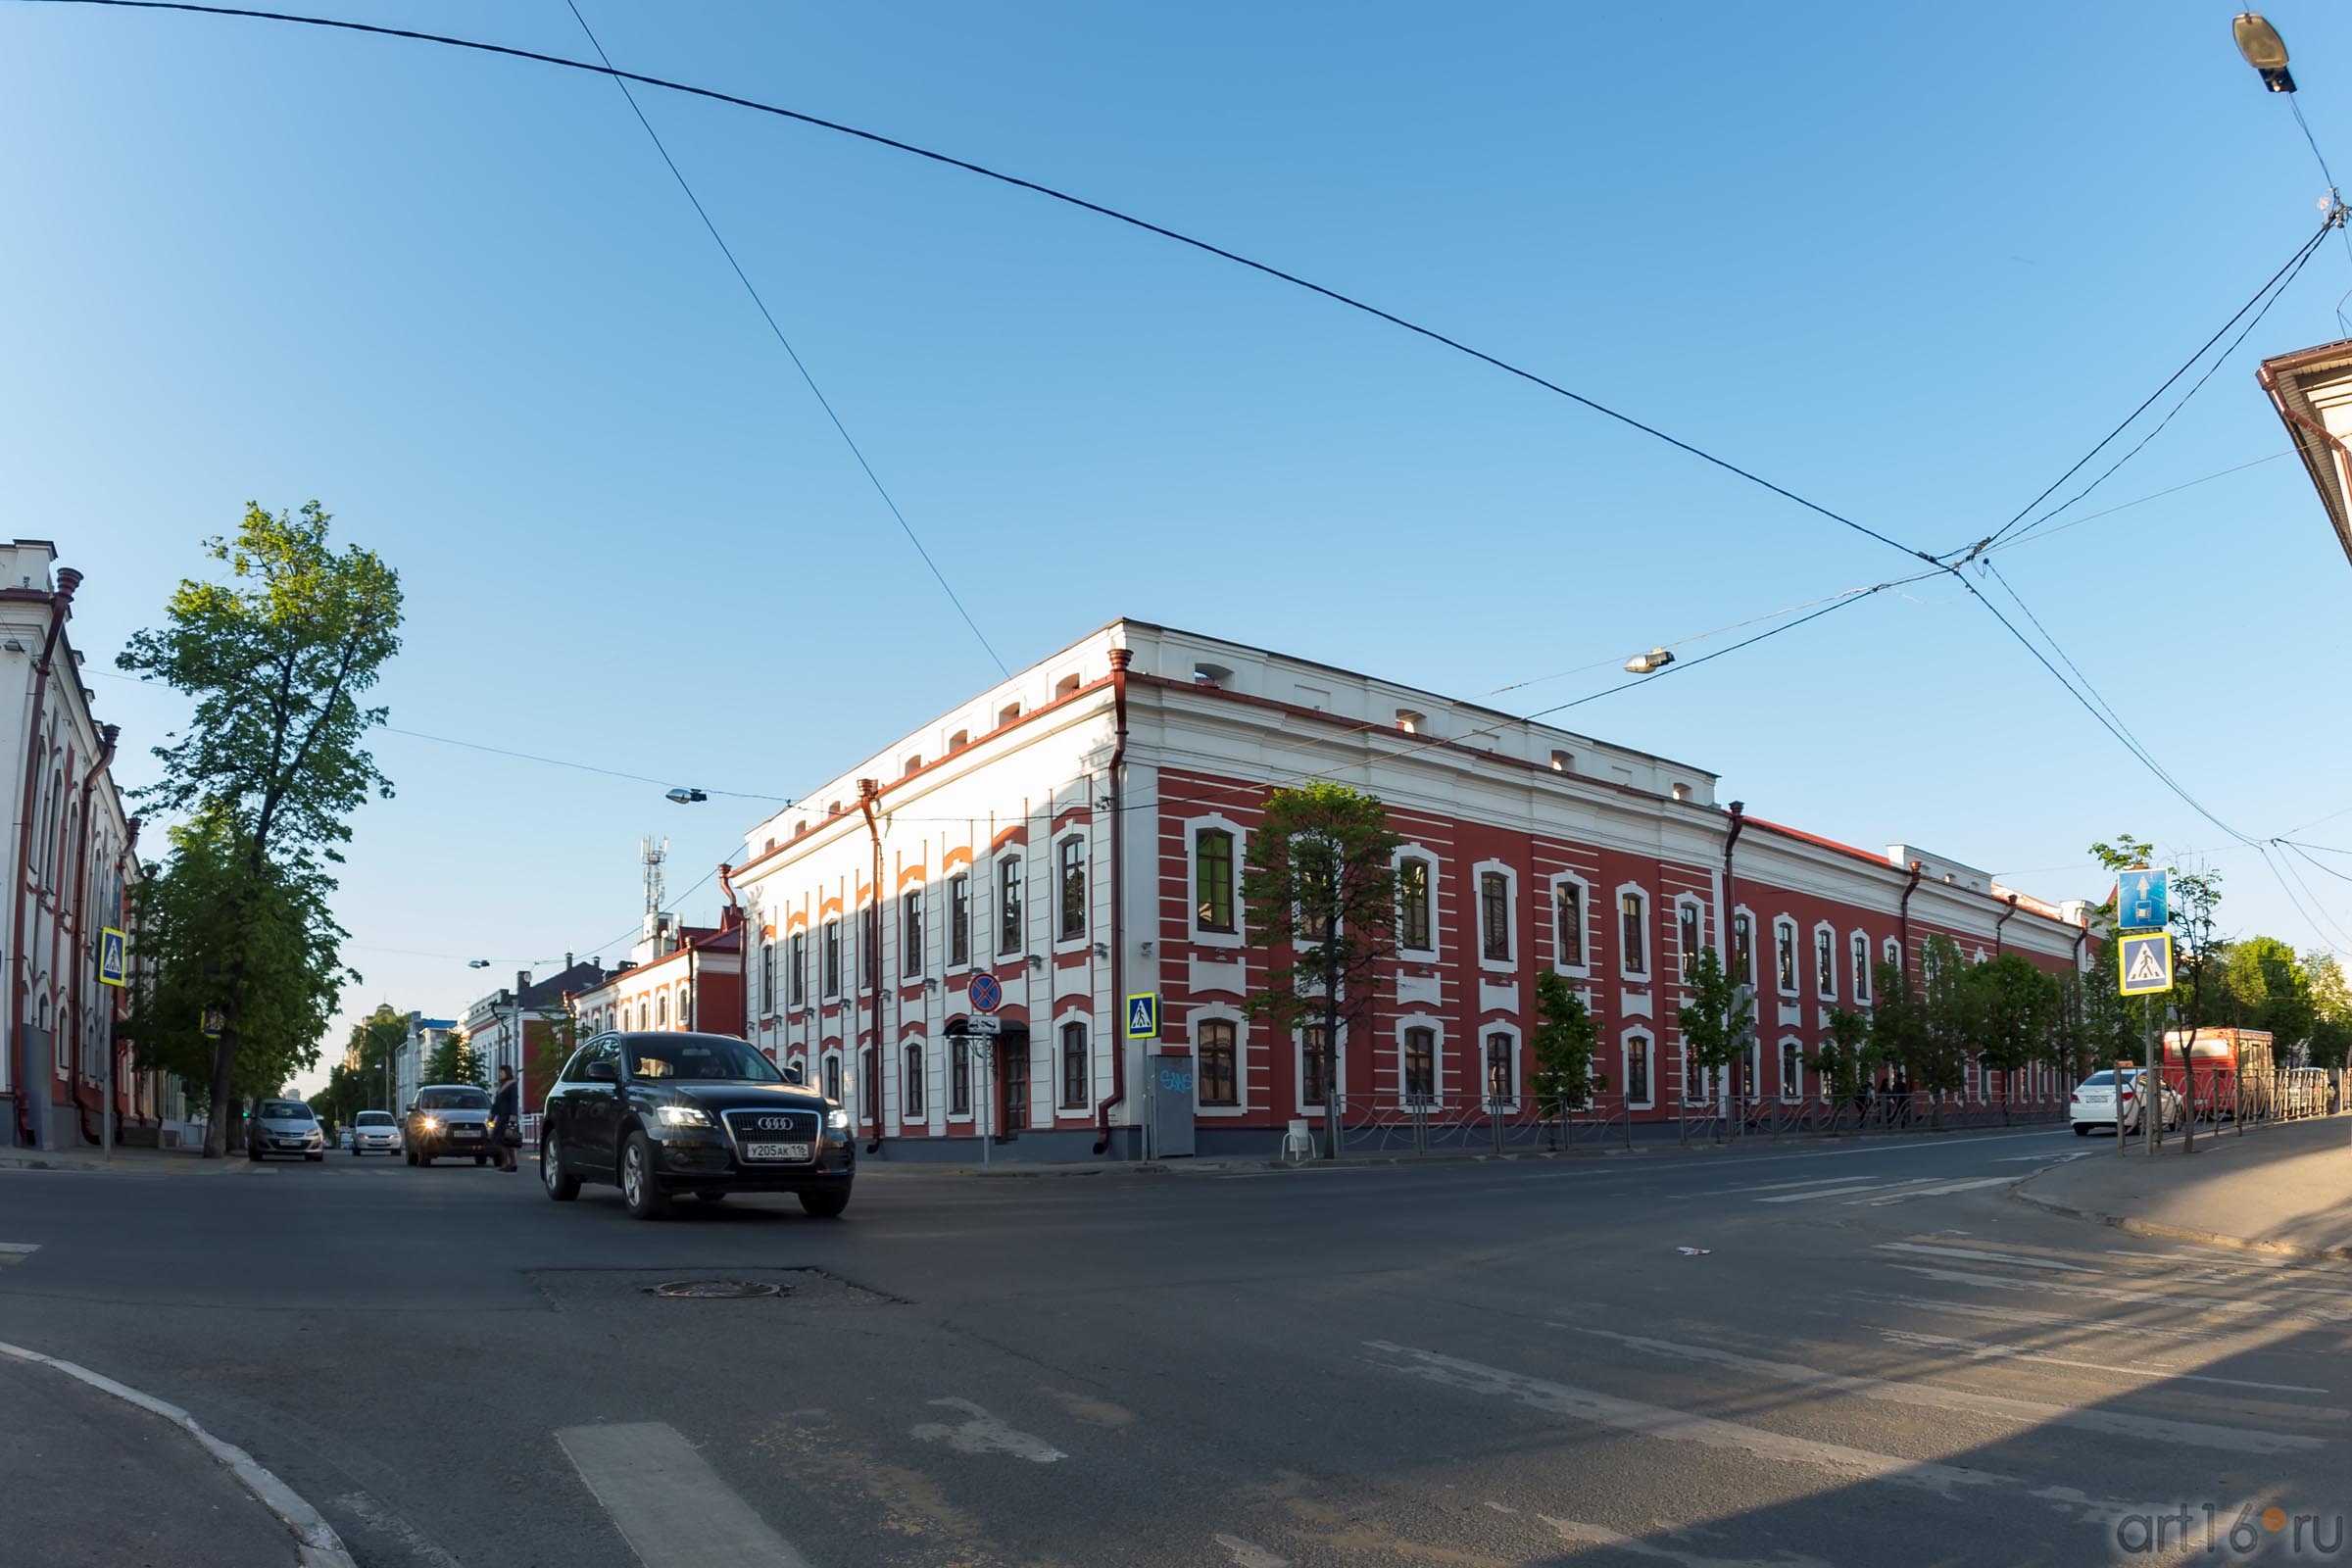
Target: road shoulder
(2285,1190)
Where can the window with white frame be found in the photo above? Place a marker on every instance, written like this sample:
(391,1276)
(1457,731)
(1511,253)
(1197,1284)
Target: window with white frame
(662,1011)
(1633,932)
(831,978)
(1689,933)
(1503,1068)
(1784,955)
(911,1082)
(959,1076)
(1792,1068)
(767,976)
(1639,1076)
(1568,903)
(1824,963)
(1213,881)
(1743,948)
(910,932)
(1216,1042)
(960,920)
(1069,880)
(797,951)
(1008,903)
(833,1079)
(1312,1084)
(1893,951)
(1418,1065)
(1861,947)
(1417,904)
(1495,916)
(869,945)
(1077,1066)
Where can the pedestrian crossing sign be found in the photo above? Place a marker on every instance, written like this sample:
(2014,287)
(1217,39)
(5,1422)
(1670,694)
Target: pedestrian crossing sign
(1143,1015)
(2144,963)
(110,957)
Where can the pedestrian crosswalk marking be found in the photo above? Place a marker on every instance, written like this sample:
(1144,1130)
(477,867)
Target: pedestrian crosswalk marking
(16,1251)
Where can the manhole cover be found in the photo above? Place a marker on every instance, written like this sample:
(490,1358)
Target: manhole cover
(717,1290)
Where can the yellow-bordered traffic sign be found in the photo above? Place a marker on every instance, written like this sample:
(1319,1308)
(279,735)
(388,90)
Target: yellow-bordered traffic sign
(2143,962)
(112,966)
(1143,1015)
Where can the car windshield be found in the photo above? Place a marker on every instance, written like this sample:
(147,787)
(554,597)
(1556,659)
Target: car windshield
(705,1058)
(374,1119)
(453,1100)
(283,1110)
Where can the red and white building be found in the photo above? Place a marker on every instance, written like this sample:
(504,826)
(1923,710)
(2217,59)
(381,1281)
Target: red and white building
(72,860)
(1076,834)
(678,977)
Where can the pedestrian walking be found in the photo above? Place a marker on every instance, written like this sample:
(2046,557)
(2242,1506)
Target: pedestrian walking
(505,1124)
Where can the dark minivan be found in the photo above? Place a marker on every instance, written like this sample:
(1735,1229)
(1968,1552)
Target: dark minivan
(659,1115)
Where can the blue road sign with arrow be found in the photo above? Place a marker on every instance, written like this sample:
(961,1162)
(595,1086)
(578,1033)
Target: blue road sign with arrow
(2142,900)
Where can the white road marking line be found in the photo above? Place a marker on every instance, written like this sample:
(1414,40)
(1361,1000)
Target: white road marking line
(2044,1159)
(1957,1483)
(1937,1397)
(1249,1554)
(1979,1350)
(2004,1282)
(1585,1535)
(1768,1186)
(1938,1191)
(16,1251)
(1983,1257)
(668,1503)
(2026,1318)
(1842,1191)
(985,1434)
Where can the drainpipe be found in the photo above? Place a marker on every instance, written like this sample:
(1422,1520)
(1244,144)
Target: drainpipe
(1119,935)
(61,603)
(2082,935)
(107,736)
(1724,915)
(867,792)
(1903,925)
(2002,921)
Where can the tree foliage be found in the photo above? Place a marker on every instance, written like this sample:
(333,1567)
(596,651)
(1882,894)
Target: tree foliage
(277,659)
(455,1062)
(2011,1007)
(1319,885)
(1846,1059)
(1567,1036)
(1717,1021)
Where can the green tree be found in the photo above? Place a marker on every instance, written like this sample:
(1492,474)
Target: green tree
(277,659)
(1718,1022)
(1566,1037)
(1319,884)
(1847,1059)
(1898,1025)
(2331,1009)
(2262,984)
(286,940)
(2012,1007)
(455,1062)
(559,1038)
(1945,1038)
(2196,894)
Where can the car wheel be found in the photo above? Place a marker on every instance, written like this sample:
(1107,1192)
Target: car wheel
(640,1189)
(562,1185)
(2082,1129)
(480,1161)
(824,1206)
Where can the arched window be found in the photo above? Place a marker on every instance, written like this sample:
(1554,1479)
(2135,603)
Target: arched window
(1419,1077)
(1076,1066)
(1632,922)
(910,932)
(959,1076)
(1784,955)
(1689,933)
(1862,968)
(1417,904)
(1636,1078)
(767,977)
(1010,933)
(1070,882)
(662,1011)
(1502,1069)
(1219,1074)
(833,1079)
(1792,1068)
(1824,962)
(911,1082)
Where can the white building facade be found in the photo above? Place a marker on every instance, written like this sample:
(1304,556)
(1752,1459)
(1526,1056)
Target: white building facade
(944,935)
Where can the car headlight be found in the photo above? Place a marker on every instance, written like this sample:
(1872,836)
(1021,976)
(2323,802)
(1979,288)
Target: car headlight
(432,1124)
(683,1117)
(837,1120)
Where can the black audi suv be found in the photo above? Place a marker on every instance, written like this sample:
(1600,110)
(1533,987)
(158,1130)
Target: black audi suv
(660,1114)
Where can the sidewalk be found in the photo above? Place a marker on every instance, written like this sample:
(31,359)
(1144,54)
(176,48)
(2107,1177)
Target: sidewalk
(2285,1189)
(133,1161)
(94,1481)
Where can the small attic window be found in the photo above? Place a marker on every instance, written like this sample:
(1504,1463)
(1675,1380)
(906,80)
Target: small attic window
(770,845)
(1067,686)
(914,763)
(1205,674)
(833,809)
(1412,721)
(1564,761)
(1009,713)
(959,740)
(800,828)
(1682,792)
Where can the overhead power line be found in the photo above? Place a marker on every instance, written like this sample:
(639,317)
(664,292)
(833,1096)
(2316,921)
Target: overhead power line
(790,353)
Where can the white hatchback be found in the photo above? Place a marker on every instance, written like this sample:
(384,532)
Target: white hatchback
(2094,1101)
(373,1130)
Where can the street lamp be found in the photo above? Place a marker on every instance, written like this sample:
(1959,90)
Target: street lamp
(1650,664)
(2264,49)
(686,796)
(477,963)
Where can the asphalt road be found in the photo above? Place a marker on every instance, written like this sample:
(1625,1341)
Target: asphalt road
(1767,1358)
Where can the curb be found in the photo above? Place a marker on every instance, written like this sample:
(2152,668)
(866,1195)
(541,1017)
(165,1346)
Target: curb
(95,1167)
(319,1544)
(2183,1233)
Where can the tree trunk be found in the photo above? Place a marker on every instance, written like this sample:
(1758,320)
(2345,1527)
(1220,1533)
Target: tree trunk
(225,1068)
(1329,1051)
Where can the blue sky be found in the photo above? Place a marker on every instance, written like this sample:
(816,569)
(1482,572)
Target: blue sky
(1910,260)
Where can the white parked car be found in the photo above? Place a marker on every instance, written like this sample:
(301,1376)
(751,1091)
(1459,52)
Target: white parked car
(374,1131)
(2093,1103)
